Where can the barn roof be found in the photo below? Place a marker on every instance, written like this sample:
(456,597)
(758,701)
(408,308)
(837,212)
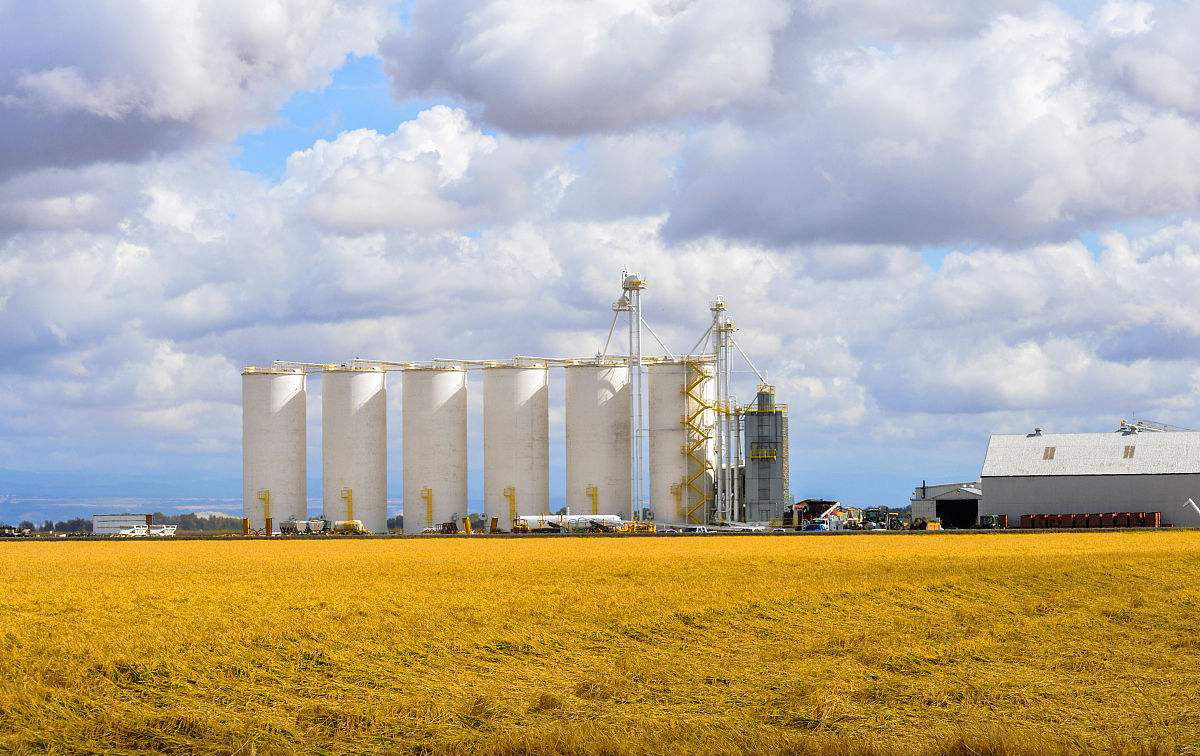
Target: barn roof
(1143,453)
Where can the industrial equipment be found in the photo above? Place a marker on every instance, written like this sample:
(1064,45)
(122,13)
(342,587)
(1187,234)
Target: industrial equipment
(350,527)
(993,521)
(881,518)
(586,523)
(303,527)
(764,425)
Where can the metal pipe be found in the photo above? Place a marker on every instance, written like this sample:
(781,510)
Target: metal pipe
(714,331)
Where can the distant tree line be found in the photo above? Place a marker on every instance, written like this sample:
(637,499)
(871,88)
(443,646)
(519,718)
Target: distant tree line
(195,523)
(73,525)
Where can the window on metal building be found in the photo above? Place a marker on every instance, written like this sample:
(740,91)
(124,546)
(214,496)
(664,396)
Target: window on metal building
(1049,453)
(1128,453)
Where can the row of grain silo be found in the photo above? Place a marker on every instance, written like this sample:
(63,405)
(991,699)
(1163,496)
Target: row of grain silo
(599,444)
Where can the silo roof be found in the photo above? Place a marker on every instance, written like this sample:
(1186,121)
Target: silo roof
(1145,453)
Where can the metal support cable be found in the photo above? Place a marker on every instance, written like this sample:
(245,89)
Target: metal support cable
(701,341)
(611,328)
(747,359)
(655,335)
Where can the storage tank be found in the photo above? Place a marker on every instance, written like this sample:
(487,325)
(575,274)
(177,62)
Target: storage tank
(354,445)
(274,445)
(679,424)
(516,443)
(598,442)
(435,447)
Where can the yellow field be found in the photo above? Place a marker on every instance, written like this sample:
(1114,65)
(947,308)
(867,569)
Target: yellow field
(873,644)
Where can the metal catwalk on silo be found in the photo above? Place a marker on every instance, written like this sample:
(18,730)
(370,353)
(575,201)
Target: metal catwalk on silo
(354,445)
(599,449)
(434,429)
(516,442)
(274,468)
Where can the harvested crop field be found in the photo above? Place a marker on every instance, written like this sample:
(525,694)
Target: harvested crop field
(940,644)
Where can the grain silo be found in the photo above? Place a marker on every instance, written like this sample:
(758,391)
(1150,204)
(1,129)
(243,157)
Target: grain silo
(681,449)
(274,406)
(434,427)
(516,442)
(354,445)
(599,469)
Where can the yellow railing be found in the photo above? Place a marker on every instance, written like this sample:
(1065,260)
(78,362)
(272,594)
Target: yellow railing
(696,497)
(427,497)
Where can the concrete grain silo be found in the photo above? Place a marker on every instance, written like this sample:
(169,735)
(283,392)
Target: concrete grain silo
(434,429)
(599,465)
(681,448)
(354,445)
(516,443)
(274,407)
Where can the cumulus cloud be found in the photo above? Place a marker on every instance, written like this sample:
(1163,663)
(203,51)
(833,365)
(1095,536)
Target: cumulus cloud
(1151,53)
(935,123)
(994,137)
(799,177)
(438,171)
(568,68)
(109,81)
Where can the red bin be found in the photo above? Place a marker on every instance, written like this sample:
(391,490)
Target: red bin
(1120,519)
(1137,519)
(1154,519)
(1003,521)
(1039,520)
(1026,521)
(1106,520)
(1093,521)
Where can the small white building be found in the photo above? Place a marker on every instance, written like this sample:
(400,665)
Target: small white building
(1129,470)
(955,505)
(112,524)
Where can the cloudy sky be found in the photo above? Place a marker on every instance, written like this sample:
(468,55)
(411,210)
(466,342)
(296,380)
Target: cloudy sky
(932,219)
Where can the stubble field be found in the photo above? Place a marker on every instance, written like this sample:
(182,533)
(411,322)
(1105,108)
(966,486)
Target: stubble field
(878,644)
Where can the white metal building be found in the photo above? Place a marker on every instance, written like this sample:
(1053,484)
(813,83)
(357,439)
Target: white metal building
(1079,473)
(111,524)
(953,504)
